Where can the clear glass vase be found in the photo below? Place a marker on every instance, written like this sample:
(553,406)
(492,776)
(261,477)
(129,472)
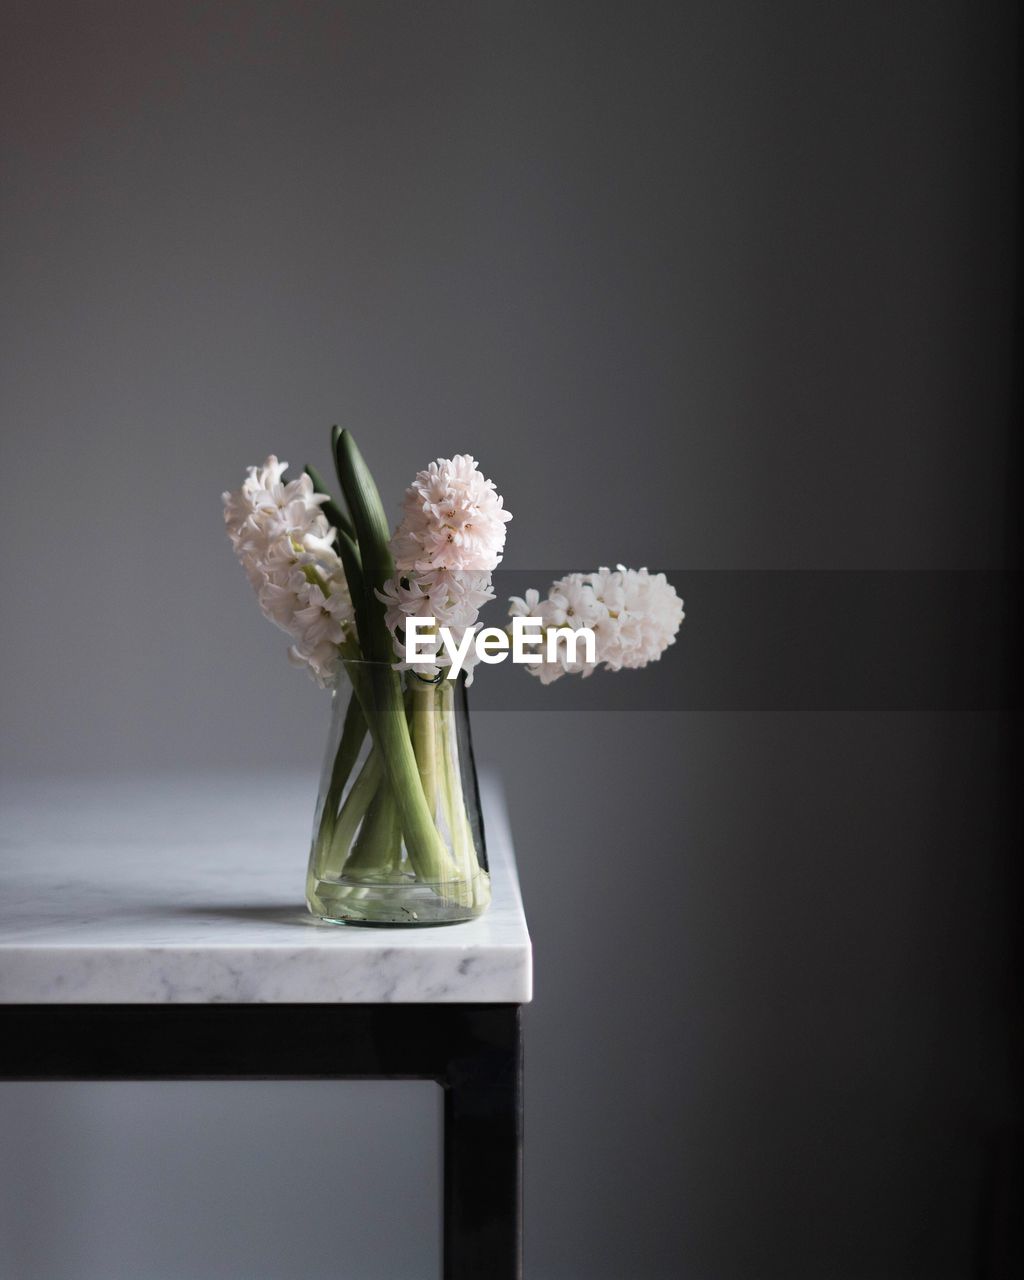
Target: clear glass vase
(398,835)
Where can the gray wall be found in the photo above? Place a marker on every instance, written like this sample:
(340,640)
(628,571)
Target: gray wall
(705,285)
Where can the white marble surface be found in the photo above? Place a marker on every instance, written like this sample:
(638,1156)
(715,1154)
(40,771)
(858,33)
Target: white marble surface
(191,891)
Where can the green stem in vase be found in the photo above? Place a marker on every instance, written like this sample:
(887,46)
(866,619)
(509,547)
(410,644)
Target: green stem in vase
(352,734)
(463,843)
(423,719)
(388,723)
(380,836)
(352,813)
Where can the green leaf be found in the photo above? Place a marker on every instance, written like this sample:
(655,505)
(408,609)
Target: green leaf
(349,553)
(373,534)
(347,550)
(331,510)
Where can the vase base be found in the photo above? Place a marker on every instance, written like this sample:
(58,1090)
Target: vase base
(387,924)
(407,903)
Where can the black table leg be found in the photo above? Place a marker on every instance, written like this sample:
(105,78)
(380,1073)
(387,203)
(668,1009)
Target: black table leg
(483,1152)
(473,1051)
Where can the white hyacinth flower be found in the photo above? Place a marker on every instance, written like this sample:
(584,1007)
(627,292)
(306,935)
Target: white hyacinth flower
(453,519)
(448,543)
(635,616)
(285,545)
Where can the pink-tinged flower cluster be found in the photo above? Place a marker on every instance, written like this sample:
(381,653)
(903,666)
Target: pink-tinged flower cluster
(452,599)
(448,543)
(284,543)
(634,615)
(453,519)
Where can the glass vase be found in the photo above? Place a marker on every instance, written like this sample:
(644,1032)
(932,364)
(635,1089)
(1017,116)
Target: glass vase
(398,835)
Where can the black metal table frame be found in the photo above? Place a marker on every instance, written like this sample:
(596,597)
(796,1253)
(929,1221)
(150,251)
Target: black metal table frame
(474,1051)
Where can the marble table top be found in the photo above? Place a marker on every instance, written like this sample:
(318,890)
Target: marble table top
(191,891)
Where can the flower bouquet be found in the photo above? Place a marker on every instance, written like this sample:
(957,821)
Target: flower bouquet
(390,624)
